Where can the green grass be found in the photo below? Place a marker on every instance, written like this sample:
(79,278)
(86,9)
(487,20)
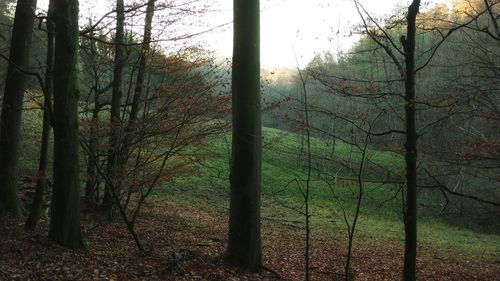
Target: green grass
(283,167)
(283,170)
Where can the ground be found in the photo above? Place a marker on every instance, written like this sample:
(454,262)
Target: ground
(187,243)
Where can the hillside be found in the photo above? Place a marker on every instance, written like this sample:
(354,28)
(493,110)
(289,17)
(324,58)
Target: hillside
(283,167)
(184,227)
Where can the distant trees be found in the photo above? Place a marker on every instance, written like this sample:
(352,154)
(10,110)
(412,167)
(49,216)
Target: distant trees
(170,106)
(461,123)
(244,248)
(380,78)
(12,105)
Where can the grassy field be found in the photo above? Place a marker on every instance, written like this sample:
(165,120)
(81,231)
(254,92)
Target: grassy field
(333,191)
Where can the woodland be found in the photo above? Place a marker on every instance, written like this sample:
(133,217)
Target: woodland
(129,153)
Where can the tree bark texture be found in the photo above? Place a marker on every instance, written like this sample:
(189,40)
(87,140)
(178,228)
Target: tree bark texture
(92,183)
(12,106)
(244,249)
(410,215)
(65,214)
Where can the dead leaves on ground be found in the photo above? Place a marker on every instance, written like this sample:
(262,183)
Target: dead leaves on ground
(188,243)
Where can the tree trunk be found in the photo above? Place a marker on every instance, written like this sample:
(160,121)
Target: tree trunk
(139,88)
(410,215)
(92,184)
(65,213)
(12,106)
(116,101)
(145,48)
(244,248)
(36,207)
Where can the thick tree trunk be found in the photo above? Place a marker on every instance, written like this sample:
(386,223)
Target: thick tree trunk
(116,101)
(244,247)
(36,207)
(410,215)
(12,106)
(65,214)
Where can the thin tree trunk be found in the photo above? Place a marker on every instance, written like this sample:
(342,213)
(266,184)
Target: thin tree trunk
(65,213)
(139,88)
(145,49)
(116,101)
(410,215)
(92,184)
(307,192)
(36,207)
(12,106)
(244,248)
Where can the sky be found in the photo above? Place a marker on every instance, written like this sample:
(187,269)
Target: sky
(292,31)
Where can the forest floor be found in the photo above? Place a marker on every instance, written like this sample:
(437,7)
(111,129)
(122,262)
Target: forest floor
(187,243)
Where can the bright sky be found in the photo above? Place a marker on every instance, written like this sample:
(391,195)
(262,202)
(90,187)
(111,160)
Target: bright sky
(292,32)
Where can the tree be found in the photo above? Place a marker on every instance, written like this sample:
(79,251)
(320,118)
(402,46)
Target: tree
(410,214)
(12,106)
(244,248)
(65,213)
(177,118)
(92,184)
(408,74)
(116,102)
(139,86)
(41,182)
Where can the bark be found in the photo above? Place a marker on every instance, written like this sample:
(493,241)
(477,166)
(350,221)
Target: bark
(12,106)
(244,248)
(410,215)
(306,194)
(92,184)
(116,101)
(36,207)
(65,213)
(145,49)
(139,88)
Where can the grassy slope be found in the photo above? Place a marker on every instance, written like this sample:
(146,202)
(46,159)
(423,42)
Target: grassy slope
(282,170)
(380,218)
